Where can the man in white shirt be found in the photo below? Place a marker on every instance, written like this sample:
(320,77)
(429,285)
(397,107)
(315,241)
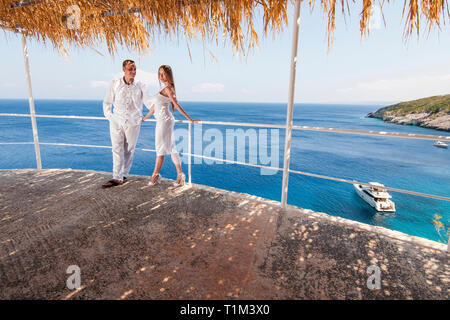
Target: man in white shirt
(127,96)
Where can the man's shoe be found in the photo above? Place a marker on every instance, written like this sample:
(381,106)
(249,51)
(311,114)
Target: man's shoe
(112,183)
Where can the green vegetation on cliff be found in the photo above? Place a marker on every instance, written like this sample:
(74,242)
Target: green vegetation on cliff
(431,105)
(431,112)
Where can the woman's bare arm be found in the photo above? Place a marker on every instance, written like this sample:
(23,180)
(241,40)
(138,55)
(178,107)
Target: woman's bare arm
(150,112)
(171,94)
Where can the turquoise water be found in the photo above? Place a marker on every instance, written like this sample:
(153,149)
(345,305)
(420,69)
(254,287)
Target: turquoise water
(409,164)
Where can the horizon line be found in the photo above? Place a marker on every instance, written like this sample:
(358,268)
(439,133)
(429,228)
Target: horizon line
(386,103)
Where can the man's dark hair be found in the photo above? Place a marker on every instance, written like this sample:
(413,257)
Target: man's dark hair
(125,62)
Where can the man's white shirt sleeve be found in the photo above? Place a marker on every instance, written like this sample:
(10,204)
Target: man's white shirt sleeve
(108,101)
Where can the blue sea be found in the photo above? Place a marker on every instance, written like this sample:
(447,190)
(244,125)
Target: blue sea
(409,164)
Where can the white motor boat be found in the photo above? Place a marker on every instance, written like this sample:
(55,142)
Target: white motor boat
(440,144)
(376,196)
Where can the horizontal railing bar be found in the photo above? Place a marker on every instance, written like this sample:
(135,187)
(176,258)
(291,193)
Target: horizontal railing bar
(15,115)
(50,116)
(263,125)
(70,117)
(143,149)
(73,145)
(367,185)
(8,143)
(232,162)
(251,165)
(146,150)
(70,145)
(244,124)
(373,133)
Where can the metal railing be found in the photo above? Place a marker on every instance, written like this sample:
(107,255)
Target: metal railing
(189,154)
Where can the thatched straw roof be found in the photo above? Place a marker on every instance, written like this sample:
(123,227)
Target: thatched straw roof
(135,23)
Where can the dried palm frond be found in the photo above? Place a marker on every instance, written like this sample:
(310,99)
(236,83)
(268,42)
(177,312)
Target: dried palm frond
(135,23)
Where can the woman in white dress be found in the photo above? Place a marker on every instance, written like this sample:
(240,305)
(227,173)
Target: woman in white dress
(164,136)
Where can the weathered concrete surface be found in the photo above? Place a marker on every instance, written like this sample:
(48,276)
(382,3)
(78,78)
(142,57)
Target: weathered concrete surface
(139,242)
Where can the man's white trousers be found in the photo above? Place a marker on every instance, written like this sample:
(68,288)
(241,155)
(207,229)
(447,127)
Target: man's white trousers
(123,139)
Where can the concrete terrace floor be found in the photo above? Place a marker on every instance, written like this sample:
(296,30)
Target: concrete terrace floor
(194,242)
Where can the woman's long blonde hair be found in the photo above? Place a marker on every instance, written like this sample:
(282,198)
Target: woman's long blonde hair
(168,70)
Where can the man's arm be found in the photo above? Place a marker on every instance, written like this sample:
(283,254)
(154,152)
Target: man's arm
(108,101)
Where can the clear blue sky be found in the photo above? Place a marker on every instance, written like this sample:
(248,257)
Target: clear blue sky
(381,68)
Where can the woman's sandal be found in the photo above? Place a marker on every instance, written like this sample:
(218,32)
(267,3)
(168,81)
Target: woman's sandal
(150,183)
(183,180)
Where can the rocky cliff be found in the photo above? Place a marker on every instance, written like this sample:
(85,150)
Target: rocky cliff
(432,112)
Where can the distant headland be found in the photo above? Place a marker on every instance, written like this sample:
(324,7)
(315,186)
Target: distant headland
(431,112)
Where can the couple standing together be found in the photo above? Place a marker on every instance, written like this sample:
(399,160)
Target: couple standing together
(127,96)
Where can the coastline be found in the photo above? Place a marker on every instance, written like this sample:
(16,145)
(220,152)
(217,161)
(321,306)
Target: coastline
(423,120)
(432,113)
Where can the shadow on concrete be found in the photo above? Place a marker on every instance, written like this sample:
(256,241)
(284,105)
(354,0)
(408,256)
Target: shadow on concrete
(193,242)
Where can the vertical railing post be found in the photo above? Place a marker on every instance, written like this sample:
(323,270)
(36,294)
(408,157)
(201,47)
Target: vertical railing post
(189,159)
(290,107)
(31,103)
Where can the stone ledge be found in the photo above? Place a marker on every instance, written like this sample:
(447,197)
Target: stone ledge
(198,242)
